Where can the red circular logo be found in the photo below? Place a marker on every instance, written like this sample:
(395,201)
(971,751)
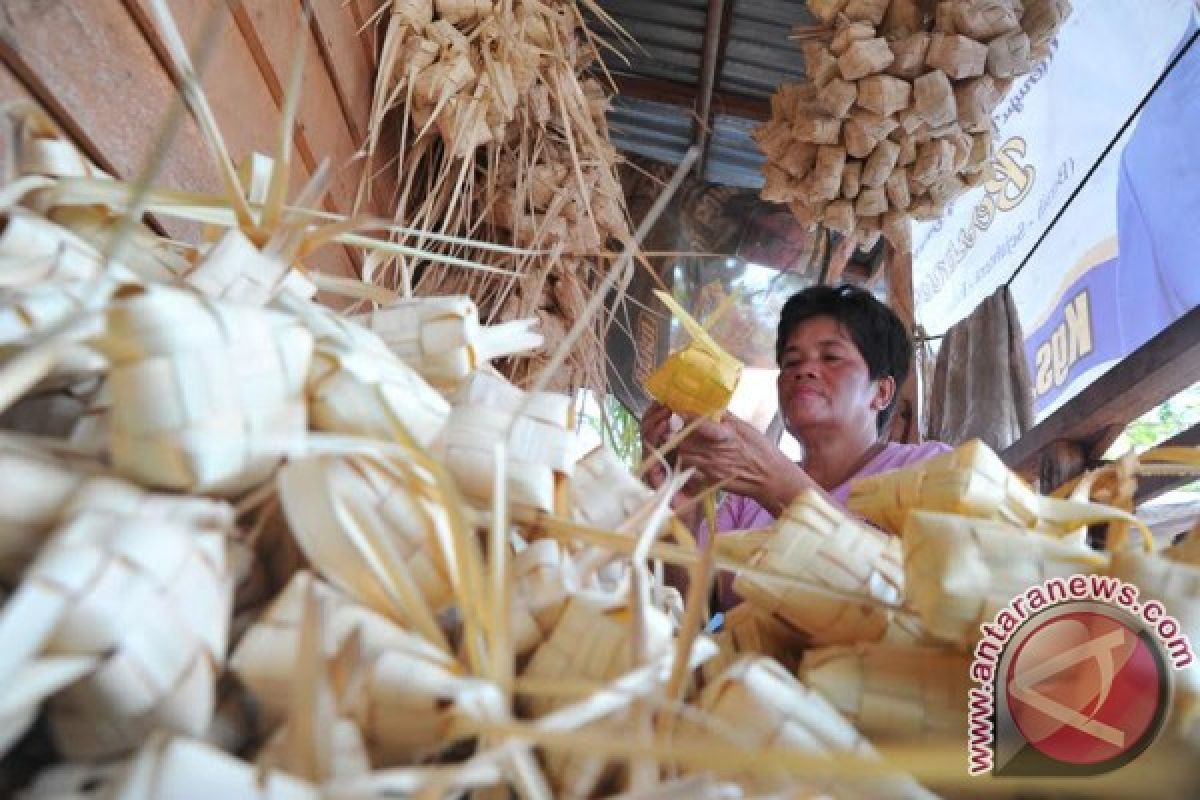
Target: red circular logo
(1084,688)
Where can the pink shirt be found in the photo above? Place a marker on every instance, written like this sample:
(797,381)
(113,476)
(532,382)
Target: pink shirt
(737,513)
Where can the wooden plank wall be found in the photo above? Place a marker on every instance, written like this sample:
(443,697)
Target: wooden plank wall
(98,68)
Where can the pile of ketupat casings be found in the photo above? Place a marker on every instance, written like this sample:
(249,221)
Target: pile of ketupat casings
(253,547)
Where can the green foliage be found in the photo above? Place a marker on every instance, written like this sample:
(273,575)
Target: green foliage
(1175,415)
(617,427)
(1159,424)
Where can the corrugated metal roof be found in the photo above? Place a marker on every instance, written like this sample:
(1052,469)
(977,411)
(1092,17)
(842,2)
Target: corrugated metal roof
(758,57)
(654,130)
(661,132)
(670,34)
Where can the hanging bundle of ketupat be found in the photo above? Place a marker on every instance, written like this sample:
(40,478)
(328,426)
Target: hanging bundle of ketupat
(893,121)
(500,119)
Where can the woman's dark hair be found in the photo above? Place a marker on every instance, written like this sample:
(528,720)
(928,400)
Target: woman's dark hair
(875,329)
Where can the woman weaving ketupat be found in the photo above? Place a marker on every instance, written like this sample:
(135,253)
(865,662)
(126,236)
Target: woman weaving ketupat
(842,357)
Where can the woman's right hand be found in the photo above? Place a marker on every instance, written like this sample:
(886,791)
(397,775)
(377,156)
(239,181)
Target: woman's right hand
(655,428)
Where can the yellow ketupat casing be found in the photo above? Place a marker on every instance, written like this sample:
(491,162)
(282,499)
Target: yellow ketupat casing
(698,379)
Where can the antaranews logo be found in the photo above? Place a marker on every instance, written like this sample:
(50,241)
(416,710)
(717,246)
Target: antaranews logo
(1074,679)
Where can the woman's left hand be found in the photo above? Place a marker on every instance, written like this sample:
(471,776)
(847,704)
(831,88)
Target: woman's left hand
(733,451)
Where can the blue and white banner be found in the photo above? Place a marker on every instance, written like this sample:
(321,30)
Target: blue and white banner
(1121,263)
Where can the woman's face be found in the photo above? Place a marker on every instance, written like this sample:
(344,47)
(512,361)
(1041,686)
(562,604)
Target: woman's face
(823,380)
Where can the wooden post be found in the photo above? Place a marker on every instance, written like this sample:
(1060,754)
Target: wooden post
(839,257)
(906,422)
(1061,462)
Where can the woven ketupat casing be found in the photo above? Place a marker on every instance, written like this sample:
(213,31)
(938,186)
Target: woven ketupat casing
(1177,586)
(544,576)
(28,685)
(403,689)
(604,494)
(700,378)
(175,767)
(539,437)
(696,380)
(758,704)
(970,480)
(819,545)
(202,392)
(959,572)
(151,601)
(592,642)
(441,338)
(366,525)
(48,272)
(357,386)
(51,492)
(747,630)
(891,692)
(235,271)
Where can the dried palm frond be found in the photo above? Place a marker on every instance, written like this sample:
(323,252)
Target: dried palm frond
(505,80)
(895,61)
(815,542)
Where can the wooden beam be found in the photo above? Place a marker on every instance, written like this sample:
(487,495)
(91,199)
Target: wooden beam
(245,102)
(64,53)
(1155,372)
(683,95)
(906,424)
(710,68)
(1151,487)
